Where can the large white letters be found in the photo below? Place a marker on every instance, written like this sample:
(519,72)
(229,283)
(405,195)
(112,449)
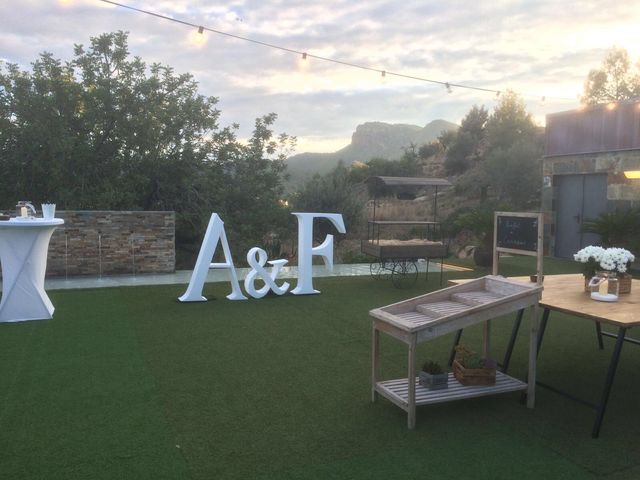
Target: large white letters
(306,250)
(257,259)
(215,233)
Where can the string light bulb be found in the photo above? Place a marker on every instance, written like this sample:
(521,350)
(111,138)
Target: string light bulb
(197,38)
(384,73)
(303,64)
(449,89)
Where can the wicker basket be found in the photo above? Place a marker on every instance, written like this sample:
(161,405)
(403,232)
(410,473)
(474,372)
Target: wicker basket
(474,376)
(624,283)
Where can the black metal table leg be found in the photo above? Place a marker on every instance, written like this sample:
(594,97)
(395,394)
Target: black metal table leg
(512,341)
(543,326)
(456,341)
(599,335)
(611,373)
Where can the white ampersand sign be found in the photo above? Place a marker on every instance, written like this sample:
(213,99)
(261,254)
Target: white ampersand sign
(257,258)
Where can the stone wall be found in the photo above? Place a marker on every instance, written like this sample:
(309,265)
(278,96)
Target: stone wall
(93,242)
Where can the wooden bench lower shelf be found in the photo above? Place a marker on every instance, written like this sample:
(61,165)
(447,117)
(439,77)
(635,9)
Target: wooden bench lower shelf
(398,392)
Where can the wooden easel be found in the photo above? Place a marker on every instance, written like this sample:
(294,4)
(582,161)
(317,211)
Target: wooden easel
(520,233)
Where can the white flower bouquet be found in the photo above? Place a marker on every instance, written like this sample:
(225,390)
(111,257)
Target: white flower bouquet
(591,257)
(610,259)
(616,260)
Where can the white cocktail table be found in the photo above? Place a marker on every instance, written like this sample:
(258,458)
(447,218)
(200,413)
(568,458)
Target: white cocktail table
(23,253)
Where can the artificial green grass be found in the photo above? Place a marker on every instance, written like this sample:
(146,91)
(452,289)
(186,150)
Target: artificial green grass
(130,383)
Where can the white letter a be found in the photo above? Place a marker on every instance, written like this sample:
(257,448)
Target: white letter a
(215,233)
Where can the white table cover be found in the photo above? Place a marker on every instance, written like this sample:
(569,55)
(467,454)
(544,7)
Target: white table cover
(23,253)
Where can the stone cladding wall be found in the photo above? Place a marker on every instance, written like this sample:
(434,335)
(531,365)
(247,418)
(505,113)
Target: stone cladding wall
(94,242)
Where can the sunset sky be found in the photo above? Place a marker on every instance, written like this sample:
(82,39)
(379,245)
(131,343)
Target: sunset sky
(537,48)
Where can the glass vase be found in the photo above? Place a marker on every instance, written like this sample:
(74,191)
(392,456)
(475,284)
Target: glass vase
(611,284)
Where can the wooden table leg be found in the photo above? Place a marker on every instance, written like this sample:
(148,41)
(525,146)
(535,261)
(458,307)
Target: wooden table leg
(411,378)
(375,362)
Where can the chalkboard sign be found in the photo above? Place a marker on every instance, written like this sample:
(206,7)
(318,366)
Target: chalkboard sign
(517,233)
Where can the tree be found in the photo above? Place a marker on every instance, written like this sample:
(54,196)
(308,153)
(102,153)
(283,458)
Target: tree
(249,183)
(509,122)
(464,149)
(508,148)
(516,172)
(332,192)
(429,149)
(614,80)
(446,138)
(106,131)
(514,153)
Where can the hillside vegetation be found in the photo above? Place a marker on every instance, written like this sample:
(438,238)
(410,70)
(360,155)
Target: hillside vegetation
(493,161)
(370,140)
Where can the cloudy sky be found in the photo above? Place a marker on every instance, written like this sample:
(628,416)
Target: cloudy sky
(537,48)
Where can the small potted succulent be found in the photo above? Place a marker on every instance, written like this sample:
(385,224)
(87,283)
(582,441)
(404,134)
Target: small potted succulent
(433,376)
(469,368)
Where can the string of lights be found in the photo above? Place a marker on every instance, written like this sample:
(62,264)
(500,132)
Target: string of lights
(384,73)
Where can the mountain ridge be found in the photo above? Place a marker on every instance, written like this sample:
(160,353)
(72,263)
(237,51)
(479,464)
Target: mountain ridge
(370,140)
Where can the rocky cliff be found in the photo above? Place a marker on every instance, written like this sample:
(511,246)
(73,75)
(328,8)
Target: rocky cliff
(371,139)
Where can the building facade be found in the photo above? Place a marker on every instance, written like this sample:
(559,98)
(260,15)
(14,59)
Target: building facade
(587,154)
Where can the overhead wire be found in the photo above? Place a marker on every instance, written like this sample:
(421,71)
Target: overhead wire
(305,54)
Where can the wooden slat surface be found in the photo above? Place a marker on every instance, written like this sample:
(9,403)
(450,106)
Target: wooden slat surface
(440,309)
(565,293)
(416,318)
(478,297)
(397,390)
(501,294)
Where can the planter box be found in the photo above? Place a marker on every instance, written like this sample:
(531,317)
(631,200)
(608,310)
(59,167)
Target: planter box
(434,382)
(474,376)
(624,283)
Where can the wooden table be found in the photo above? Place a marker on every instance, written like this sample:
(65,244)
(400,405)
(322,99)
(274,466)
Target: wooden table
(565,293)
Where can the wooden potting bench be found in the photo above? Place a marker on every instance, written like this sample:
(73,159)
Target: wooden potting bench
(430,316)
